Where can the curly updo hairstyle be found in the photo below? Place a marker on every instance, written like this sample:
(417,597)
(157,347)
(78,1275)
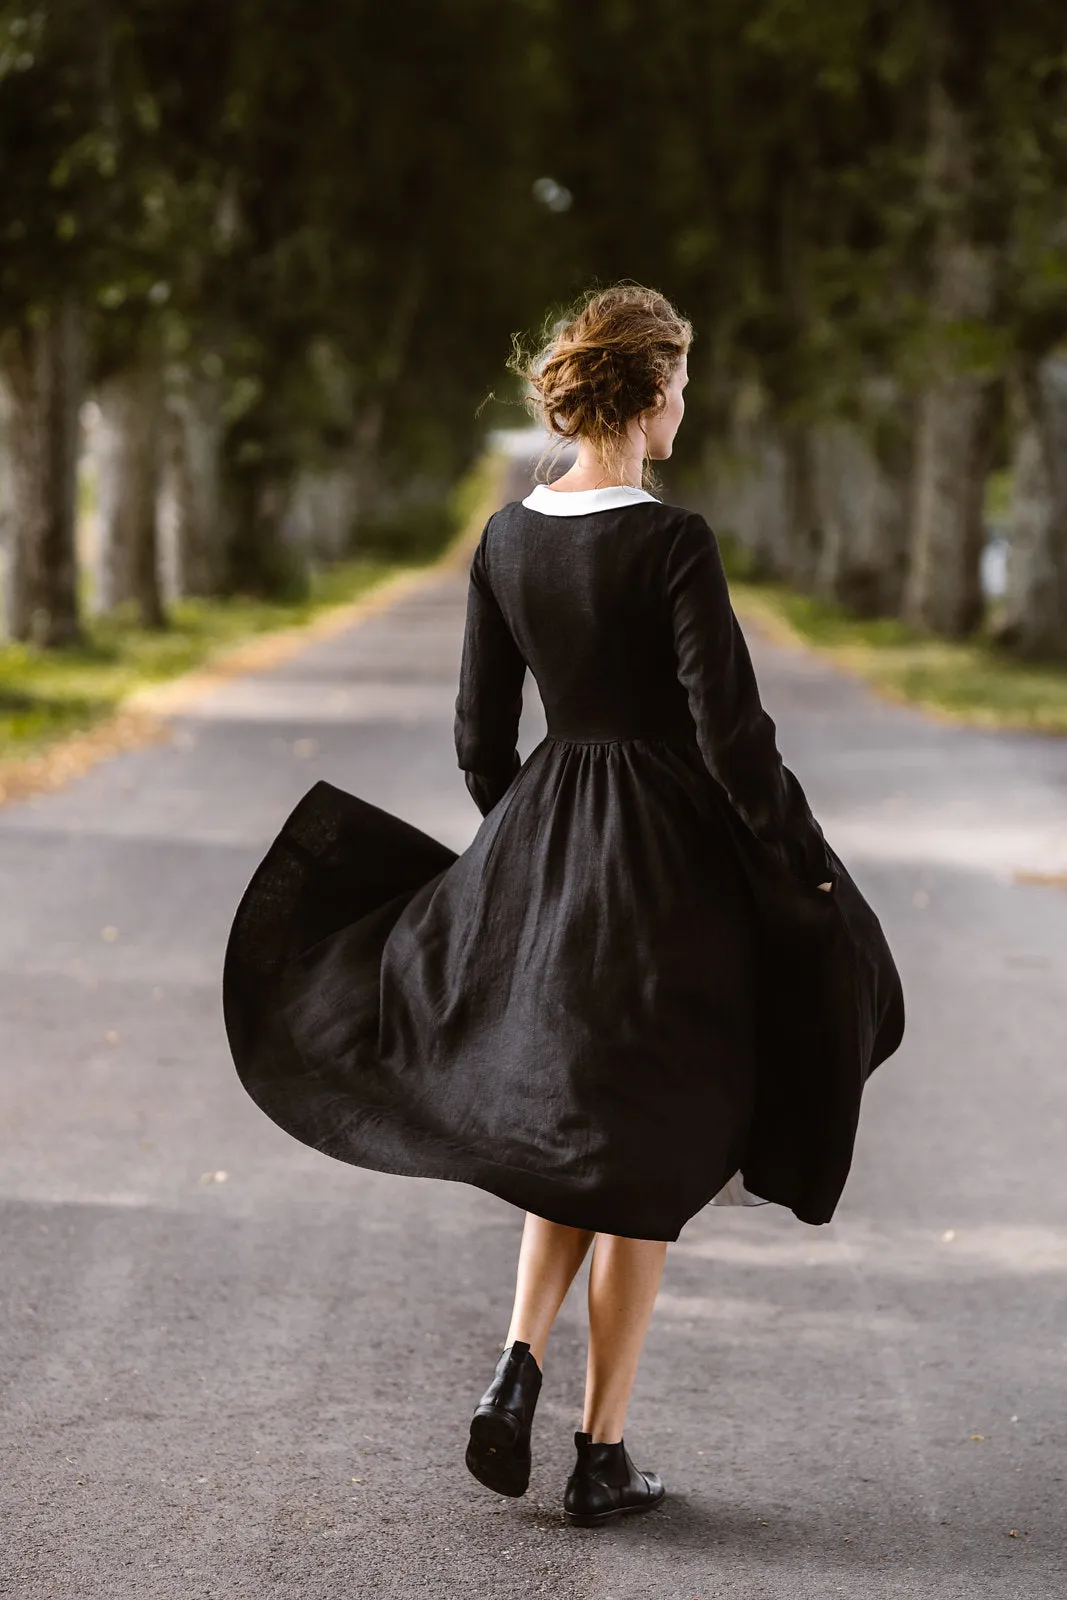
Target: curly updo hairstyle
(599,369)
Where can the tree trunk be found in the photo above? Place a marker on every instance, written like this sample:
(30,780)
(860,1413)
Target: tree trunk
(128,456)
(412,280)
(7,520)
(1034,625)
(955,414)
(43,369)
(746,489)
(323,511)
(863,485)
(263,555)
(366,475)
(944,590)
(190,513)
(803,531)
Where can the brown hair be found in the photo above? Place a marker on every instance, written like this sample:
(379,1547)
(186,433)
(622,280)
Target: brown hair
(600,366)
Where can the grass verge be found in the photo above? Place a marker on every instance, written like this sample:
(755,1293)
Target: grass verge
(45,694)
(959,681)
(61,711)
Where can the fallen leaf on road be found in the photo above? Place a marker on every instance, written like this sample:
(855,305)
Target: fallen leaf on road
(948,1236)
(214,1177)
(1047,880)
(109,934)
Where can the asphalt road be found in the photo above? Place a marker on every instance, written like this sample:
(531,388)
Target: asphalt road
(234,1369)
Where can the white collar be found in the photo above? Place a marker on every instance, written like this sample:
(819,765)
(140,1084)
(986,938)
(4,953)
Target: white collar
(576,502)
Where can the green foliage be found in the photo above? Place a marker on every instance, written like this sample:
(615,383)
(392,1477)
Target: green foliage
(411,533)
(419,530)
(368,186)
(340,222)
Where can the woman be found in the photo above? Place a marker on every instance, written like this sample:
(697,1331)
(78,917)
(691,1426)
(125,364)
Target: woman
(648,983)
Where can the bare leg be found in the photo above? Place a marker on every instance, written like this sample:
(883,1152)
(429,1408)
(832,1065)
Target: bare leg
(624,1279)
(549,1258)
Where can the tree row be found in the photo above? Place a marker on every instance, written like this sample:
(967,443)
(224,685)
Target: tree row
(283,255)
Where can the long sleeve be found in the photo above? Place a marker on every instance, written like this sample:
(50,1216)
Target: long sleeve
(489,702)
(735,734)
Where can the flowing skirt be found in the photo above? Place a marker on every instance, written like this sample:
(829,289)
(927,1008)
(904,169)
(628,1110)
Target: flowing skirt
(565,1014)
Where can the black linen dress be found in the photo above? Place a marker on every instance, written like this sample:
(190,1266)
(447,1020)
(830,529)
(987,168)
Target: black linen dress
(627,997)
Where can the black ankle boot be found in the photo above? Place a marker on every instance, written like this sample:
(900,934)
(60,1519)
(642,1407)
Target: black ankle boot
(499,1450)
(606,1484)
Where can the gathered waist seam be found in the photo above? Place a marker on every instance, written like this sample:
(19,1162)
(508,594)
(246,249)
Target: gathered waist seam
(621,738)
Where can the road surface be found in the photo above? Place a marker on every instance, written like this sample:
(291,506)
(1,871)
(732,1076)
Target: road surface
(236,1370)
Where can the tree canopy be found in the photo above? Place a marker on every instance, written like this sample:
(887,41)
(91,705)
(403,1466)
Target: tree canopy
(323,230)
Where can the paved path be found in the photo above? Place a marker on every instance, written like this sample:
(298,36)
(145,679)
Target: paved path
(236,1370)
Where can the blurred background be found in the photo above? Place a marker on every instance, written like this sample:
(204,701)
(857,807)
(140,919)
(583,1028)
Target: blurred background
(260,271)
(261,265)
